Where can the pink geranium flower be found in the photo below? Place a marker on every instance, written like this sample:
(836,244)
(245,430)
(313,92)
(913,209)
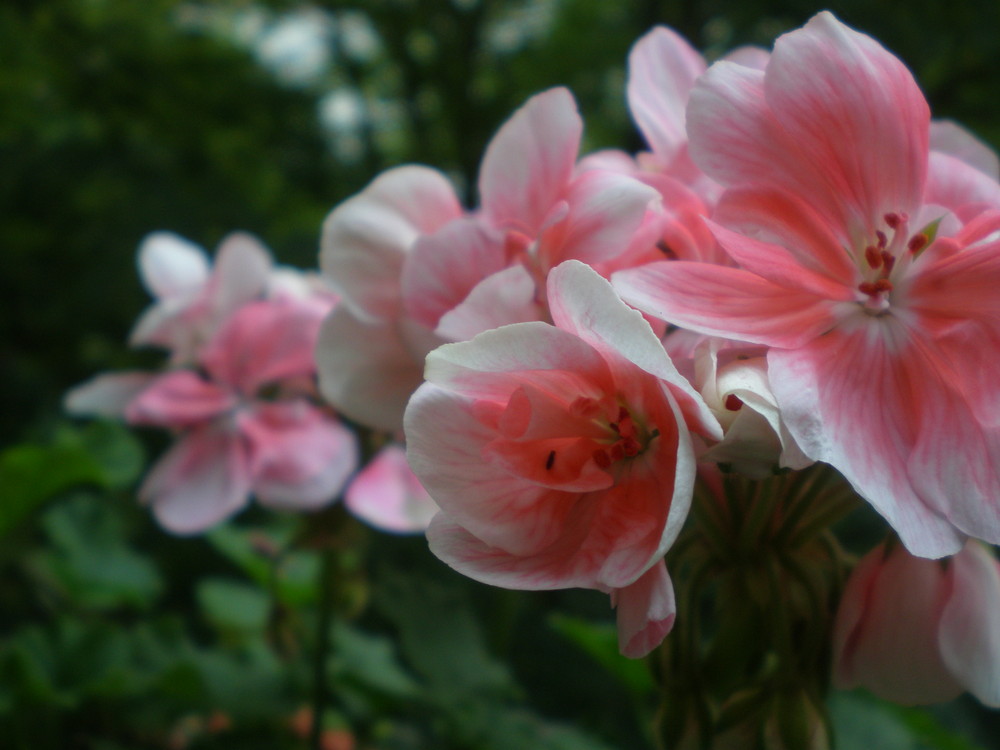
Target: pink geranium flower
(560,454)
(920,631)
(880,308)
(246,421)
(192,298)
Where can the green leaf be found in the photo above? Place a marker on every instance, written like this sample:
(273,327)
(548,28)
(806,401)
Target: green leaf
(600,642)
(233,607)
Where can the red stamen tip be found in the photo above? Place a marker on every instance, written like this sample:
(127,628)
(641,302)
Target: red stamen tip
(867,287)
(917,242)
(883,285)
(893,220)
(733,402)
(873,256)
(882,239)
(888,260)
(631,447)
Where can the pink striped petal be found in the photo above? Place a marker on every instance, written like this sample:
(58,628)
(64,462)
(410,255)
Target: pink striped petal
(867,141)
(727,302)
(508,296)
(959,187)
(530,161)
(855,398)
(444,267)
(662,69)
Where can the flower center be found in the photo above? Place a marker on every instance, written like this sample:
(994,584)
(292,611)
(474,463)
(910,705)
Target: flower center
(881,260)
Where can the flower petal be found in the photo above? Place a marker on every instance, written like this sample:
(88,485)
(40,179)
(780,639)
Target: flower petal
(108,394)
(646,612)
(299,457)
(867,142)
(180,399)
(530,161)
(171,266)
(369,370)
(948,137)
(855,398)
(366,238)
(662,68)
(202,480)
(387,495)
(728,302)
(508,296)
(969,637)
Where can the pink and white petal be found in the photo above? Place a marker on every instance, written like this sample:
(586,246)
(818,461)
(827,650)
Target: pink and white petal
(727,302)
(262,343)
(955,185)
(585,304)
(605,212)
(180,398)
(508,296)
(948,137)
(387,495)
(782,234)
(854,398)
(495,363)
(300,457)
(957,286)
(954,464)
(609,160)
(646,612)
(735,138)
(445,266)
(108,394)
(530,161)
(369,370)
(662,70)
(474,558)
(885,636)
(366,238)
(867,141)
(969,636)
(200,482)
(749,57)
(242,270)
(171,266)
(444,446)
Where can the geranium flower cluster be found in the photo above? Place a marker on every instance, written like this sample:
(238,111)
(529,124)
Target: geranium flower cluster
(802,268)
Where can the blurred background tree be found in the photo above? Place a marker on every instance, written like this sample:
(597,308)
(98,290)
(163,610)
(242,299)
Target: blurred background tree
(118,118)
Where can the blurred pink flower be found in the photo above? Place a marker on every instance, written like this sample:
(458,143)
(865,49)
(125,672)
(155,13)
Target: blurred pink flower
(560,455)
(878,305)
(236,439)
(921,631)
(193,299)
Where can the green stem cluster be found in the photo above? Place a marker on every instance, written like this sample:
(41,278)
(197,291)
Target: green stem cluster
(758,575)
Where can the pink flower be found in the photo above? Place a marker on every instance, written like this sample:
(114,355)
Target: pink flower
(921,631)
(560,455)
(537,210)
(879,307)
(193,300)
(245,423)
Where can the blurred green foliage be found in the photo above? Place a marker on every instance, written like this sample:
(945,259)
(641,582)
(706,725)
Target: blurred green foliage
(119,118)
